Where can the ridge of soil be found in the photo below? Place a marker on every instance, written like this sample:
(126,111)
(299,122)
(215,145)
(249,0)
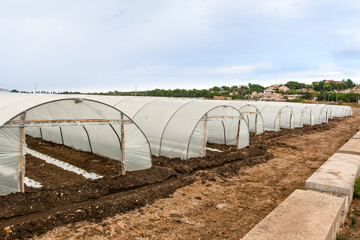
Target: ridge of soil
(38,211)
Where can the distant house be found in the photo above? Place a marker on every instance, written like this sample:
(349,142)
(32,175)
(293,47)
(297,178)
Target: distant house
(283,89)
(269,90)
(329,81)
(275,86)
(4,90)
(302,90)
(272,97)
(243,86)
(292,96)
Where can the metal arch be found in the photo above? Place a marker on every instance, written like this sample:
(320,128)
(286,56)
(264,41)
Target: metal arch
(292,113)
(61,134)
(118,137)
(90,100)
(240,115)
(122,101)
(144,106)
(258,112)
(91,149)
(302,112)
(265,106)
(162,134)
(222,122)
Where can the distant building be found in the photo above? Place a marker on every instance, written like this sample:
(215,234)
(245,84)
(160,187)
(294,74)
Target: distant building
(269,90)
(275,86)
(292,96)
(283,89)
(329,81)
(302,90)
(243,86)
(4,90)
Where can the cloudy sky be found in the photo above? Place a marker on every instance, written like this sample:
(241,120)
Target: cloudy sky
(103,45)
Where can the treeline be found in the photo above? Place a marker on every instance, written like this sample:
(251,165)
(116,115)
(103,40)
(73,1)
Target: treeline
(235,92)
(323,90)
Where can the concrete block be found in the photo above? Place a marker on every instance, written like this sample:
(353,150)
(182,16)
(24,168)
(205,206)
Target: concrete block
(337,175)
(304,215)
(357,135)
(351,146)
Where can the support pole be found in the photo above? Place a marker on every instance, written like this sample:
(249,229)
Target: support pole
(22,159)
(222,122)
(123,170)
(203,152)
(290,120)
(238,134)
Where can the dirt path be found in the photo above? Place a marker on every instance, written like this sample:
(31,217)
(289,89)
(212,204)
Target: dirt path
(224,203)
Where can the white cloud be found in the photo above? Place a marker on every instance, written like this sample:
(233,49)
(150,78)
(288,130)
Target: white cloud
(240,69)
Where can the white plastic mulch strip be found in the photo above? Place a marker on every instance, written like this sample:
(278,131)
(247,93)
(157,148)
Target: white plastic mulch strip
(213,149)
(63,165)
(32,183)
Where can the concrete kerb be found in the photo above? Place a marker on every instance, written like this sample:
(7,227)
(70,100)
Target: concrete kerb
(318,212)
(336,176)
(303,215)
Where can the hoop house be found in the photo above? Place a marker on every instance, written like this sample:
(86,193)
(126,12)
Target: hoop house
(180,128)
(338,111)
(251,115)
(302,115)
(83,124)
(276,116)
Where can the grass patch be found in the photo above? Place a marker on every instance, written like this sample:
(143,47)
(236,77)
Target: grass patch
(357,188)
(353,222)
(341,237)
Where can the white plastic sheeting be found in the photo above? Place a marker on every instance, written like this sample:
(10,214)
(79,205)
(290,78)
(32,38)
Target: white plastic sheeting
(74,130)
(251,115)
(340,111)
(176,128)
(276,116)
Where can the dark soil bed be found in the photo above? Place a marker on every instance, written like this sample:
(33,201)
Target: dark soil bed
(85,160)
(49,175)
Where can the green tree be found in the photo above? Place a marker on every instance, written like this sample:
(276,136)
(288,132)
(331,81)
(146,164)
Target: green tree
(256,88)
(295,85)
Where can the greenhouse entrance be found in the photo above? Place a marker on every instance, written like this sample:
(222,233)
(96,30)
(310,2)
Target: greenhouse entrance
(85,126)
(223,125)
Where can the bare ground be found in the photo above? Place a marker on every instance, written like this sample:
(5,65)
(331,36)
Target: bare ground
(221,203)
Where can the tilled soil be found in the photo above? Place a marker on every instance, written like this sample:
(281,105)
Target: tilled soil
(223,202)
(229,192)
(49,175)
(84,160)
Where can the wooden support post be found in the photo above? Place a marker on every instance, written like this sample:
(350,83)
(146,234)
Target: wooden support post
(123,170)
(22,159)
(238,134)
(203,152)
(290,120)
